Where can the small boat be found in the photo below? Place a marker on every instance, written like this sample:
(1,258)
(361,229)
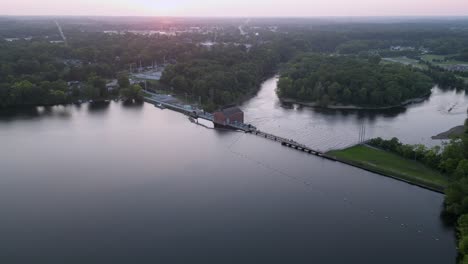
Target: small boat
(160,106)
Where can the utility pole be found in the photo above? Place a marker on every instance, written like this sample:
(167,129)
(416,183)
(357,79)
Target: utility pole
(362,133)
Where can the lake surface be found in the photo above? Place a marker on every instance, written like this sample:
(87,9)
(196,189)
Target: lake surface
(326,129)
(136,184)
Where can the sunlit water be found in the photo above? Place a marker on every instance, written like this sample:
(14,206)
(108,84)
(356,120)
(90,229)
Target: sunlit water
(119,184)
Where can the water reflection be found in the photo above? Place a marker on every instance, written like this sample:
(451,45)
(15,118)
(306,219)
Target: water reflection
(142,182)
(133,104)
(371,114)
(31,113)
(98,107)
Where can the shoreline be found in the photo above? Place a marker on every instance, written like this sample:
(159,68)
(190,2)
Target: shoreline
(383,172)
(437,189)
(453,132)
(355,107)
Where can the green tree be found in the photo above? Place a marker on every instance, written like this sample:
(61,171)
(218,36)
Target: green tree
(362,96)
(375,59)
(325,100)
(132,93)
(91,92)
(123,81)
(285,86)
(333,90)
(346,95)
(22,92)
(462,169)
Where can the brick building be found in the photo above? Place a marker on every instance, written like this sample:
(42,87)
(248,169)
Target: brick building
(228,115)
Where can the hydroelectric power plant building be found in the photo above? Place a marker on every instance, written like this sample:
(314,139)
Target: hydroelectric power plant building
(228,115)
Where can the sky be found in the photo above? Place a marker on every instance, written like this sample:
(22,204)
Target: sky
(236,8)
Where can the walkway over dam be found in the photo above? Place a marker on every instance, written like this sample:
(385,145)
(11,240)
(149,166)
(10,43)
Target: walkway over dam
(159,101)
(164,101)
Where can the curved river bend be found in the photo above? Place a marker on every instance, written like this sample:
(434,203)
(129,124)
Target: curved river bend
(136,184)
(326,129)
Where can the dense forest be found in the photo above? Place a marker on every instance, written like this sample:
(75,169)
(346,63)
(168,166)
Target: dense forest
(223,75)
(351,80)
(451,160)
(38,72)
(34,71)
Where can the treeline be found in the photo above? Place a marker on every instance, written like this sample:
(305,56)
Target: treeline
(351,80)
(31,73)
(355,38)
(38,69)
(444,159)
(37,72)
(444,78)
(463,56)
(451,160)
(439,40)
(222,75)
(14,27)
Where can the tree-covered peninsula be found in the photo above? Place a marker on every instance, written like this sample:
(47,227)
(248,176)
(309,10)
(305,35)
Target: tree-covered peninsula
(342,80)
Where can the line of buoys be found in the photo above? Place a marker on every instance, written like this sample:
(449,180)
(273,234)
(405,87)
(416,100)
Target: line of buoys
(417,229)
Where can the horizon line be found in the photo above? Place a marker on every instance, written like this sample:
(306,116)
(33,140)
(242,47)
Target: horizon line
(240,16)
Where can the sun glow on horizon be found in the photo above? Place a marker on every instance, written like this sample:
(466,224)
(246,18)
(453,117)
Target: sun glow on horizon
(240,8)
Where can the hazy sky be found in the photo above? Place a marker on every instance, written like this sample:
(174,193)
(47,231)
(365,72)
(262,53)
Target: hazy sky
(236,7)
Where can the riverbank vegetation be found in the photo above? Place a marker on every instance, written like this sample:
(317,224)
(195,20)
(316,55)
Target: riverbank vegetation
(349,80)
(391,164)
(42,72)
(222,75)
(132,93)
(37,69)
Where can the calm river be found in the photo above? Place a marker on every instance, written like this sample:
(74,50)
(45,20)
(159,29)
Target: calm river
(136,184)
(330,129)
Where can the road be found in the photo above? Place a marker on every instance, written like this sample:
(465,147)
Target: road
(61,31)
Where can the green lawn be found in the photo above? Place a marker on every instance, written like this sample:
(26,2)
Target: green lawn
(405,61)
(392,165)
(431,57)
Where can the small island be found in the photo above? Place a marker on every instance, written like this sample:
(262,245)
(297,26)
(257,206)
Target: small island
(451,133)
(351,82)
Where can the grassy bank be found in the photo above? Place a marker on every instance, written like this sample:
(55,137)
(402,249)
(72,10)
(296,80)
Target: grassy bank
(441,60)
(391,165)
(405,61)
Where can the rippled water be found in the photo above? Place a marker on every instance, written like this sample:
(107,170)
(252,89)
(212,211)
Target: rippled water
(136,184)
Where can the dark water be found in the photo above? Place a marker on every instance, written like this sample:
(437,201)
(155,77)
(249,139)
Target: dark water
(123,184)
